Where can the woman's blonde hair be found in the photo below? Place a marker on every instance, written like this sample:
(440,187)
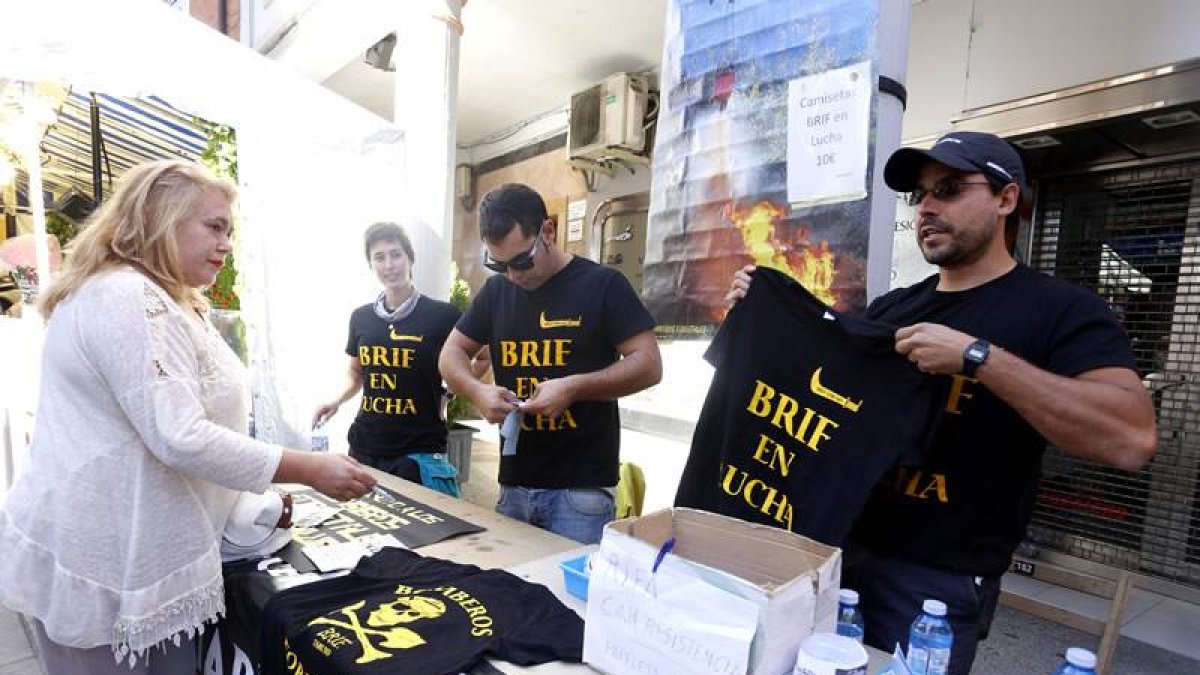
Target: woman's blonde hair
(136,226)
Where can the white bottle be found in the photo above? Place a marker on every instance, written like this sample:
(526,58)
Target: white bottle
(320,438)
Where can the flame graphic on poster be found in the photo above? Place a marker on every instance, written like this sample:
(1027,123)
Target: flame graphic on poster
(813,265)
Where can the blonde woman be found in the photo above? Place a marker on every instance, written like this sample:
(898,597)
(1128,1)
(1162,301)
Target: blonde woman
(111,536)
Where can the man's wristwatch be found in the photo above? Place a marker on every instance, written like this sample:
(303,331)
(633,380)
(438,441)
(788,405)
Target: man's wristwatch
(975,355)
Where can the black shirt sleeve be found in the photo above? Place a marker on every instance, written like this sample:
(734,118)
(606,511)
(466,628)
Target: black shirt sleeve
(624,314)
(548,632)
(476,323)
(352,337)
(1087,336)
(452,317)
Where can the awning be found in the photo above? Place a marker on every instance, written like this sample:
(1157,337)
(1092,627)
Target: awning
(132,130)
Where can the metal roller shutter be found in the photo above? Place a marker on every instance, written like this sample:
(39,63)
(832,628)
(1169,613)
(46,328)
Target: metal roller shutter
(1133,236)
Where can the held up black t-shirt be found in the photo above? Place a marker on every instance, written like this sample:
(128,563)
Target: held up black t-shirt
(807,410)
(399,612)
(967,507)
(400,411)
(571,324)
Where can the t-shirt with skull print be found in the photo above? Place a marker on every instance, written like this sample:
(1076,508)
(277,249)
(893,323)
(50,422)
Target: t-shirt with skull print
(399,612)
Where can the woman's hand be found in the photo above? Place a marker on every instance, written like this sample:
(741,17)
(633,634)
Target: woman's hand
(338,476)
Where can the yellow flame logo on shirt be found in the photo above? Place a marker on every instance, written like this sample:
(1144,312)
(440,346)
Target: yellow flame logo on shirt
(831,395)
(404,338)
(559,323)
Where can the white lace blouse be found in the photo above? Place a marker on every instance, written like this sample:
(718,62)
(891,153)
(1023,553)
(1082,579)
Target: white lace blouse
(111,536)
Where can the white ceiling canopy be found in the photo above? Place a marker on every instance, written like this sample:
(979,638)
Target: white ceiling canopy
(520,58)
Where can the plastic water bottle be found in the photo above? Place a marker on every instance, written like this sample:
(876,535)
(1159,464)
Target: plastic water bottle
(320,438)
(929,640)
(1079,662)
(849,619)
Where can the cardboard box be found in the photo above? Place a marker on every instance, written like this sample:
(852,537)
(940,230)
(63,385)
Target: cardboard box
(730,597)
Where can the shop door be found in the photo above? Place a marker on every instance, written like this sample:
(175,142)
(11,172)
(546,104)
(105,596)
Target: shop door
(1133,236)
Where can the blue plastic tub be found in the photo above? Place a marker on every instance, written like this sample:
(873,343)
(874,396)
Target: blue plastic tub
(575,576)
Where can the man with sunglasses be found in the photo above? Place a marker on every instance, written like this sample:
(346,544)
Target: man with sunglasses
(567,337)
(1021,358)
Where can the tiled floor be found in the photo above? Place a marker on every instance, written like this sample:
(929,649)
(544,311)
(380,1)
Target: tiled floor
(16,656)
(1149,617)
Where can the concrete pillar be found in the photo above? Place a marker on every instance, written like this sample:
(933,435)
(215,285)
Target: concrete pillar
(426,101)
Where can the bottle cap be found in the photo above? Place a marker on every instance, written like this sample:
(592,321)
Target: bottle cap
(934,607)
(1078,656)
(847,596)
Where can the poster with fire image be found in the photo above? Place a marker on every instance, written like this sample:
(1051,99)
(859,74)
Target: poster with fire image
(719,194)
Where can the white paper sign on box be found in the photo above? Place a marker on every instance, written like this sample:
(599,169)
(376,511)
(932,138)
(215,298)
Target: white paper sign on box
(732,597)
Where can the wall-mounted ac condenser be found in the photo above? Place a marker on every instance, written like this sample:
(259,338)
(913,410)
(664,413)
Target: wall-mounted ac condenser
(607,116)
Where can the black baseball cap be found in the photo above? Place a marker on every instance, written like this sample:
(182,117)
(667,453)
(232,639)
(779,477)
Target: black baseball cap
(971,151)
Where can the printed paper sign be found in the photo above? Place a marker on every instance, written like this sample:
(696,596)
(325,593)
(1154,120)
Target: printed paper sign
(577,209)
(575,230)
(664,620)
(829,119)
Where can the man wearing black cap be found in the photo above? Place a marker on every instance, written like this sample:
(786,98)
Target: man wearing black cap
(1022,358)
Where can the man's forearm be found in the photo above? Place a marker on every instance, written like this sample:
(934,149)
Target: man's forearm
(1111,422)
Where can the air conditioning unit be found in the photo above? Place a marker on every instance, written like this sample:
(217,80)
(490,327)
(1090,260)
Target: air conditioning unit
(607,119)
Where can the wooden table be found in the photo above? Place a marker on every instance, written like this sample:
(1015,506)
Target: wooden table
(505,543)
(528,552)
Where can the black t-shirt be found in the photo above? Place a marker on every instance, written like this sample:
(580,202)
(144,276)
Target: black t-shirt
(807,410)
(967,508)
(401,387)
(571,324)
(399,612)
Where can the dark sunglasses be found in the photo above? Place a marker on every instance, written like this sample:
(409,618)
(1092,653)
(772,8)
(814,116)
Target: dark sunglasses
(943,190)
(520,262)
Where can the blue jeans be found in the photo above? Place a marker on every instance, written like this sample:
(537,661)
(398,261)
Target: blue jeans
(891,592)
(575,513)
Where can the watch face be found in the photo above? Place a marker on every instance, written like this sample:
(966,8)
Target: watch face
(976,352)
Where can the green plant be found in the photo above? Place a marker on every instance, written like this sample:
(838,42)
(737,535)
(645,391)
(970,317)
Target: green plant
(460,296)
(62,228)
(220,156)
(460,292)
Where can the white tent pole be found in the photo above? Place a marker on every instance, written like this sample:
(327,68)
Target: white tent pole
(426,101)
(33,166)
